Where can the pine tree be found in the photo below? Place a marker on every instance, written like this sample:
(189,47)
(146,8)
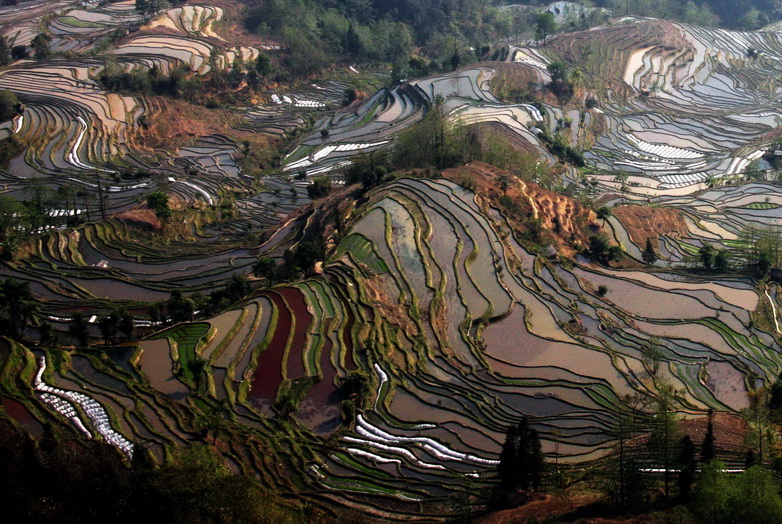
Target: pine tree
(649,256)
(708,450)
(508,459)
(687,465)
(624,482)
(521,460)
(353,45)
(665,433)
(79,329)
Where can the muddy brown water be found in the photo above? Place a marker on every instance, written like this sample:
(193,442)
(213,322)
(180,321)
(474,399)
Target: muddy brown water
(267,376)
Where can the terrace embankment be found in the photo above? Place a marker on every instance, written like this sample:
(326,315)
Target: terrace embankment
(650,223)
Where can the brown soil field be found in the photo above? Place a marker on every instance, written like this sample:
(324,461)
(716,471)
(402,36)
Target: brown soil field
(644,223)
(141,218)
(545,205)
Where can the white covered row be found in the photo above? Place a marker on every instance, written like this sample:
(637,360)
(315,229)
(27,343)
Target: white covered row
(91,407)
(430,445)
(663,150)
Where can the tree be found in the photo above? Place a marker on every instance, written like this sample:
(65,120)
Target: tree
(558,71)
(751,497)
(687,467)
(521,459)
(237,288)
(19,52)
(721,260)
(126,324)
(108,323)
(760,434)
(304,55)
(755,498)
(9,105)
(367,169)
(652,356)
(142,6)
(625,484)
(706,254)
(545,24)
(432,142)
(40,46)
(665,433)
(48,336)
(353,44)
(601,249)
(712,493)
(180,309)
(764,263)
(18,307)
(264,267)
(11,226)
(263,65)
(621,179)
(319,188)
(753,171)
(649,255)
(708,449)
(158,202)
(305,256)
(356,386)
(79,329)
(603,213)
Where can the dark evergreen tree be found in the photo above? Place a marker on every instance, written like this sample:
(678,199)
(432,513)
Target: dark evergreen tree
(126,323)
(179,308)
(666,433)
(18,307)
(79,329)
(353,44)
(264,267)
(521,460)
(40,45)
(158,202)
(706,254)
(5,52)
(708,450)
(108,323)
(48,336)
(624,482)
(603,213)
(649,255)
(721,260)
(508,460)
(687,467)
(750,459)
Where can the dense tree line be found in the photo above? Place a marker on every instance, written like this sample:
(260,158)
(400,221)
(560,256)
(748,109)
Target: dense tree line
(55,478)
(319,33)
(747,14)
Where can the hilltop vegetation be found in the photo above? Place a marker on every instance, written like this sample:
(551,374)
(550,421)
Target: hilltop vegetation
(448,33)
(745,15)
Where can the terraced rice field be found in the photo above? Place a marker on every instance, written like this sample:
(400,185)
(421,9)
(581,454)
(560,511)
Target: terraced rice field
(460,329)
(459,343)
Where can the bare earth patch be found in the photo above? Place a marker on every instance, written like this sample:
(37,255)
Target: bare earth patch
(644,223)
(562,219)
(141,218)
